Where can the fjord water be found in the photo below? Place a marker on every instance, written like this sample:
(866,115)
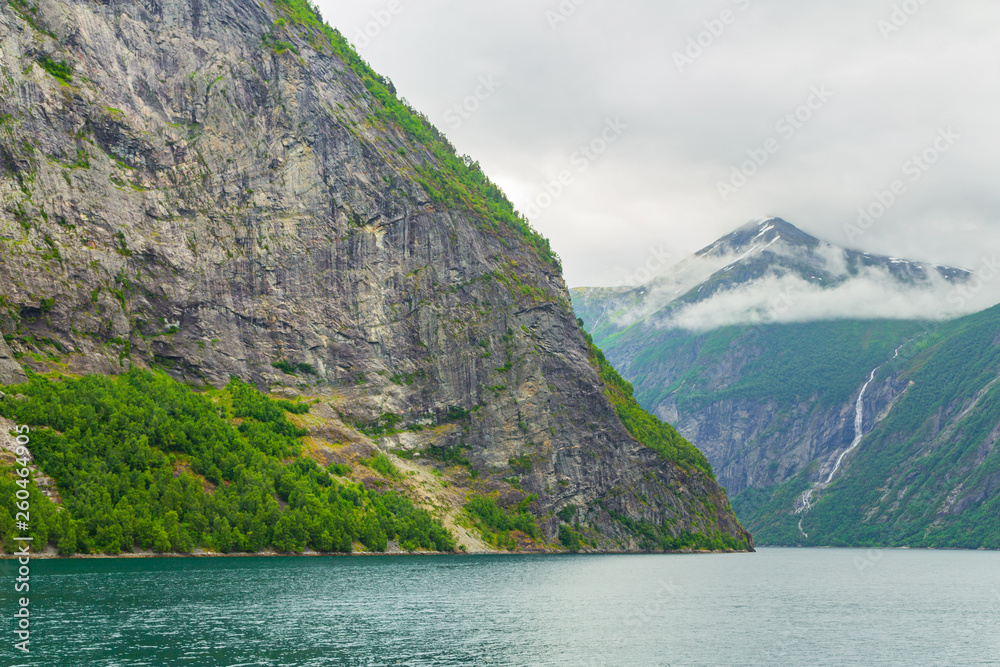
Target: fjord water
(778,606)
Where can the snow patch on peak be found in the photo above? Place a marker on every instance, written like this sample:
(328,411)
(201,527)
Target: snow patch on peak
(765,228)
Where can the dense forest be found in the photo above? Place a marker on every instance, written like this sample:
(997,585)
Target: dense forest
(786,362)
(144,462)
(799,360)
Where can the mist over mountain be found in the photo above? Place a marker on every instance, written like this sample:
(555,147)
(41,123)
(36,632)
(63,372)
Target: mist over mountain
(769,271)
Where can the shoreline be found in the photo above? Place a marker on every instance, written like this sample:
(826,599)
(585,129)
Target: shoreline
(373,554)
(315,554)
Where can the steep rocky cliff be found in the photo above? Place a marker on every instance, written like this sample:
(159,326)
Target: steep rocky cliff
(224,189)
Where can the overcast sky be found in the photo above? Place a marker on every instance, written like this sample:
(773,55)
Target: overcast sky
(537,81)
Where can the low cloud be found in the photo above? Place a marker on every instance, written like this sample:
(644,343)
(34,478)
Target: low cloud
(803,281)
(872,294)
(673,284)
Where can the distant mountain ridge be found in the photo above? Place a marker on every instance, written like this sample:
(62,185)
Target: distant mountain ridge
(774,402)
(754,244)
(769,264)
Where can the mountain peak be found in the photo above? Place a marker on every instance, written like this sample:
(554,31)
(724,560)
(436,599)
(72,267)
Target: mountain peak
(775,247)
(770,270)
(757,233)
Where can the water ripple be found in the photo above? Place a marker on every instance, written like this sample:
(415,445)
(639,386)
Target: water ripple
(779,606)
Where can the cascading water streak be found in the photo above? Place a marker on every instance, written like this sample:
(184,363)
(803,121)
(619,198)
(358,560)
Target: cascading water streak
(805,500)
(859,422)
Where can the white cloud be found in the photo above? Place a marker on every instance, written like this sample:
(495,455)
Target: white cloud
(657,185)
(872,294)
(799,281)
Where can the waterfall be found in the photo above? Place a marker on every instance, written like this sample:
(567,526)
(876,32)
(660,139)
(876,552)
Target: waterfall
(804,503)
(859,418)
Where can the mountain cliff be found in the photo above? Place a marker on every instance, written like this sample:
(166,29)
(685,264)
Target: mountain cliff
(926,469)
(775,400)
(226,190)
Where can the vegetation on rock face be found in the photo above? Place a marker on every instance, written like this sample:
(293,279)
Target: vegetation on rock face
(927,474)
(450,179)
(127,486)
(143,462)
(497,524)
(290,368)
(381,464)
(658,537)
(661,437)
(60,70)
(569,538)
(791,362)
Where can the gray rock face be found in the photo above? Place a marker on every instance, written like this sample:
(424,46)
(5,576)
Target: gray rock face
(10,370)
(193,198)
(757,443)
(754,441)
